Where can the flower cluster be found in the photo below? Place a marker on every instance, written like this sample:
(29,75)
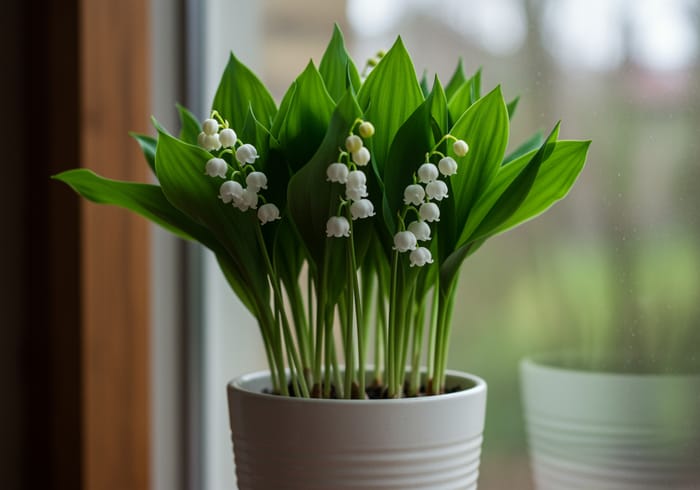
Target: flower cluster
(356,155)
(419,197)
(216,135)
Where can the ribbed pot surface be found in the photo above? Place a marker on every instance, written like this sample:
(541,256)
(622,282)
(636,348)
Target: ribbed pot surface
(415,443)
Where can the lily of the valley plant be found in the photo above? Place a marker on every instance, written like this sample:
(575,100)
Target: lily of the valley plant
(342,216)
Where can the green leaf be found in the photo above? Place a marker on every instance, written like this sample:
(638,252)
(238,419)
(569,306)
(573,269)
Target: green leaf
(464,97)
(424,84)
(438,110)
(337,68)
(456,81)
(554,181)
(506,194)
(180,169)
(189,125)
(484,126)
(388,97)
(305,124)
(311,199)
(144,199)
(512,105)
(238,89)
(532,143)
(148,147)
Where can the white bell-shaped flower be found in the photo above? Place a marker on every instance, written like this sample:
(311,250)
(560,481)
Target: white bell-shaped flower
(337,226)
(420,229)
(250,197)
(361,209)
(436,190)
(230,191)
(429,212)
(361,157)
(413,194)
(228,138)
(460,147)
(216,167)
(246,154)
(211,142)
(420,256)
(201,139)
(337,172)
(356,178)
(256,181)
(447,166)
(268,212)
(405,241)
(210,126)
(427,173)
(355,193)
(353,143)
(366,129)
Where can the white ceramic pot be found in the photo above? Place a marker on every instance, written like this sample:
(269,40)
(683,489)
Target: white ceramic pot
(412,443)
(589,430)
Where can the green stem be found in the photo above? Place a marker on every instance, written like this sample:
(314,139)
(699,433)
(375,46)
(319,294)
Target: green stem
(432,334)
(391,338)
(419,327)
(359,319)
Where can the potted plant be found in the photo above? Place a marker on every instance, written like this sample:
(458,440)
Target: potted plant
(620,410)
(340,219)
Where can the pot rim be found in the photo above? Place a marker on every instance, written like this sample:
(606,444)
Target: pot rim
(548,362)
(239,384)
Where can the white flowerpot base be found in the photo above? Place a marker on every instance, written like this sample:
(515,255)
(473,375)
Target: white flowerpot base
(603,431)
(412,443)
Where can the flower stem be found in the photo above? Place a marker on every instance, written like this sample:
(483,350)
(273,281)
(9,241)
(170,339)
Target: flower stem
(391,338)
(359,319)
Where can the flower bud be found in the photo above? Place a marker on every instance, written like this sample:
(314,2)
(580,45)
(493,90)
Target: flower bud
(210,126)
(227,137)
(211,142)
(230,191)
(460,147)
(427,173)
(420,229)
(420,256)
(250,198)
(366,129)
(256,181)
(337,172)
(405,241)
(413,194)
(216,167)
(267,213)
(246,154)
(337,226)
(429,212)
(362,208)
(355,193)
(436,189)
(353,143)
(356,178)
(447,166)
(361,157)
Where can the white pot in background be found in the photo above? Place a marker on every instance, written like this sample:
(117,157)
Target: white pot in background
(604,431)
(426,443)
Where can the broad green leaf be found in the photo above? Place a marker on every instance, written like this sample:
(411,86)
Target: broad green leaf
(554,181)
(464,97)
(305,124)
(438,110)
(180,169)
(495,207)
(148,147)
(189,125)
(484,126)
(424,84)
(337,68)
(283,110)
(388,96)
(238,89)
(311,198)
(532,143)
(512,105)
(456,81)
(144,199)
(413,140)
